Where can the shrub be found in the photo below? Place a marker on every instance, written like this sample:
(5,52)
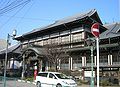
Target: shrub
(105,83)
(67,72)
(79,82)
(29,79)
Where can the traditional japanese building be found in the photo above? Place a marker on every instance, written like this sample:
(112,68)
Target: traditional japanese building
(72,33)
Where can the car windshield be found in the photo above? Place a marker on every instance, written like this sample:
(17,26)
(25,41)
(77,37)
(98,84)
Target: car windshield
(61,76)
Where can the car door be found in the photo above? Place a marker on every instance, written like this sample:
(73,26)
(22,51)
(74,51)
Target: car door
(43,78)
(52,80)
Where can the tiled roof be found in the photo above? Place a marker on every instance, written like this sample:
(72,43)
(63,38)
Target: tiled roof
(113,30)
(14,49)
(67,20)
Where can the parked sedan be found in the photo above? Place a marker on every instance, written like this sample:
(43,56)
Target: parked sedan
(54,79)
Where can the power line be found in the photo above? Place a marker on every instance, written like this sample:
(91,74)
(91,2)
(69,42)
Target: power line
(29,18)
(13,5)
(7,2)
(4,5)
(13,15)
(25,14)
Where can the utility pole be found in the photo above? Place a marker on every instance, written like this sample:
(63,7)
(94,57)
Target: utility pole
(6,54)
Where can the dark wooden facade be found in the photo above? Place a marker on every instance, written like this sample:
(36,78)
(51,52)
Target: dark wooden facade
(72,33)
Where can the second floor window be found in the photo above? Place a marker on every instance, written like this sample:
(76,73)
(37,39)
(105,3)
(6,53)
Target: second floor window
(55,40)
(77,37)
(65,39)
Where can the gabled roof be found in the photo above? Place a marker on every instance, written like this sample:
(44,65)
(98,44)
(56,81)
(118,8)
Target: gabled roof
(13,48)
(113,31)
(90,14)
(37,49)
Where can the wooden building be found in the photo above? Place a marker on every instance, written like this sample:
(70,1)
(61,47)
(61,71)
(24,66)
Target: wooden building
(72,33)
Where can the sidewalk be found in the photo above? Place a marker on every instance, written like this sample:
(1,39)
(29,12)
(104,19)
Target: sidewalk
(95,86)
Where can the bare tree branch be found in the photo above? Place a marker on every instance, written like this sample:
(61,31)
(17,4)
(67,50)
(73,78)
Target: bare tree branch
(54,53)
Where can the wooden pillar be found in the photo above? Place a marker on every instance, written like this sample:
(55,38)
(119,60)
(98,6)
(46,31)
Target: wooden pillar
(83,61)
(110,59)
(83,73)
(95,59)
(70,63)
(23,70)
(95,75)
(83,66)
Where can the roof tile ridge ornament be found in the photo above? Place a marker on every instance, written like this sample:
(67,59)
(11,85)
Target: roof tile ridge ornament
(92,11)
(87,13)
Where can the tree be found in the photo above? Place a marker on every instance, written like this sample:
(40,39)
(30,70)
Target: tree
(54,53)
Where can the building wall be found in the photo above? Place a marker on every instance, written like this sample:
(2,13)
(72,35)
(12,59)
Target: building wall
(75,38)
(63,37)
(71,38)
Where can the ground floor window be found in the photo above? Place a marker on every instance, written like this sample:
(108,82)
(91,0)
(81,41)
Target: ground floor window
(88,60)
(116,58)
(65,64)
(103,59)
(77,62)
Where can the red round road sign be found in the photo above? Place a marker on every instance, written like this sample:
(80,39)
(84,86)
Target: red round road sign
(95,29)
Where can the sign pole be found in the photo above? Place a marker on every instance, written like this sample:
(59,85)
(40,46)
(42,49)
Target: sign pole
(97,43)
(95,32)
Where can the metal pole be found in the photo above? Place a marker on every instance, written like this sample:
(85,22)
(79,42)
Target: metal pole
(97,41)
(92,78)
(5,65)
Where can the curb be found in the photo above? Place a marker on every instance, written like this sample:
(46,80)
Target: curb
(26,81)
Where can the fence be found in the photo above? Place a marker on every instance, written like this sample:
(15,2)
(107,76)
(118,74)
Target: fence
(10,82)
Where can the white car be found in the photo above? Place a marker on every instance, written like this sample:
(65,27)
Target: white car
(54,79)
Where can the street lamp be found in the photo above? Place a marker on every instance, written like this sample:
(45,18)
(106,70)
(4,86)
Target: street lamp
(91,43)
(6,55)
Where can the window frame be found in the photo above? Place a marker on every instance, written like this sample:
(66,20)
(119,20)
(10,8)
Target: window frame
(43,74)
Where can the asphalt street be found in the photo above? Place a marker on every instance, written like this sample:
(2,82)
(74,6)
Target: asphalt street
(25,84)
(21,84)
(17,84)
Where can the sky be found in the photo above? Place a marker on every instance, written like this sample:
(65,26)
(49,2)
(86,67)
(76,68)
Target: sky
(40,13)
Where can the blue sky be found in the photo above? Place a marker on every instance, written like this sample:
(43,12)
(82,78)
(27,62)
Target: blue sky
(39,13)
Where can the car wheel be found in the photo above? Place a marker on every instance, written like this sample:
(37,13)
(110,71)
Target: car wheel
(58,85)
(38,84)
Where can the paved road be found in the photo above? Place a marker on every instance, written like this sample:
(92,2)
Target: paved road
(17,84)
(24,84)
(21,84)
